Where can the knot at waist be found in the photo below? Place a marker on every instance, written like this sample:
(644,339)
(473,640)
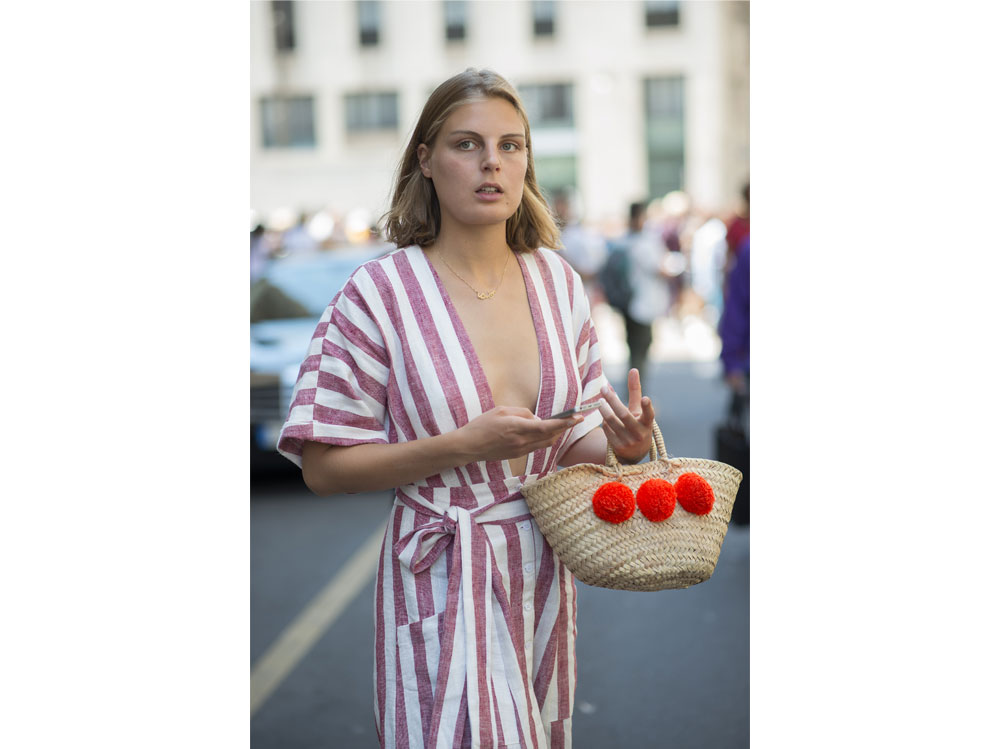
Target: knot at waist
(436,526)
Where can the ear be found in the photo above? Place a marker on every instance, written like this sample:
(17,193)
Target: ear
(423,158)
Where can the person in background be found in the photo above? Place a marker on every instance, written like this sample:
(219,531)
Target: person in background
(650,285)
(675,227)
(738,228)
(708,266)
(260,252)
(583,249)
(298,238)
(734,327)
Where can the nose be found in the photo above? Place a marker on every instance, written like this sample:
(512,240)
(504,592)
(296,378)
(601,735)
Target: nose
(491,158)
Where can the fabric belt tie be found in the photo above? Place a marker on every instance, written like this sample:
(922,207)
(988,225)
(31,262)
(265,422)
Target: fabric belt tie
(483,662)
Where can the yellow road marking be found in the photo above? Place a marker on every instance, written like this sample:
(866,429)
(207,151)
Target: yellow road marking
(298,638)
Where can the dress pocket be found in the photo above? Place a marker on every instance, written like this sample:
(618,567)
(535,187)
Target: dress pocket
(419,650)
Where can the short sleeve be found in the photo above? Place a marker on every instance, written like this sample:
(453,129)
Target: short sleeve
(340,395)
(588,360)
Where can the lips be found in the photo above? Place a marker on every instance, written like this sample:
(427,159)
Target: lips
(489,188)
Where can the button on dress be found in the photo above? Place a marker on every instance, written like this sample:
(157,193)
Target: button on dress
(475,618)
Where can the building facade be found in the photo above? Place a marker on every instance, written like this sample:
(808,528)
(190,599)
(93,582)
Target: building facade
(627,100)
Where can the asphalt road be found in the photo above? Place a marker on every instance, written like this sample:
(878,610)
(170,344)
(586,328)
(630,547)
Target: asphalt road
(666,669)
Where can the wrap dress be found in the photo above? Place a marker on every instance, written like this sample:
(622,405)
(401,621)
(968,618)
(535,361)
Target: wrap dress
(475,618)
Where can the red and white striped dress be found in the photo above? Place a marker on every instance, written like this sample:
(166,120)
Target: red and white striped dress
(475,617)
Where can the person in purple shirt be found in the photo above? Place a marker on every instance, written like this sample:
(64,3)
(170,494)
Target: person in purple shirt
(734,326)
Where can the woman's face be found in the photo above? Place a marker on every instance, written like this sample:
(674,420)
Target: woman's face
(477,163)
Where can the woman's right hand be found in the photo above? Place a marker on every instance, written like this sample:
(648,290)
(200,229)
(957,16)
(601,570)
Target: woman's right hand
(507,432)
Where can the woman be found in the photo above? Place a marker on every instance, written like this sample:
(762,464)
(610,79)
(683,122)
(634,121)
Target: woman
(435,371)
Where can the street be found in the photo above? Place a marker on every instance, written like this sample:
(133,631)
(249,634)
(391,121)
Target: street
(666,669)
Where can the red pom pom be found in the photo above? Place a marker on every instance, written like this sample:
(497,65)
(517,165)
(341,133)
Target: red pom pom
(657,499)
(614,502)
(695,494)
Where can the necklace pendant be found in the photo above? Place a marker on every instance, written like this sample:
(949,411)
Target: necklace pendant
(485,294)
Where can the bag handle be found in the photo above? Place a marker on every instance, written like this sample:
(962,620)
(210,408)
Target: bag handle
(656,450)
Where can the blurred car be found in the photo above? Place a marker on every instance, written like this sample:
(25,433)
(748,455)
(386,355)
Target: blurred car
(286,302)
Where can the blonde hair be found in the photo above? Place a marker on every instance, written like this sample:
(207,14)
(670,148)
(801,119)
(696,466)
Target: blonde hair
(415,214)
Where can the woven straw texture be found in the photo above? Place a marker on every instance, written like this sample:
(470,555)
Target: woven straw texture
(637,554)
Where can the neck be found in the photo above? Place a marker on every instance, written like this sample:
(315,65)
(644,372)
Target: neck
(479,250)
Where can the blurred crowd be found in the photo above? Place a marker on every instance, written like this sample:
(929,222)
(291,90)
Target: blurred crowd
(673,259)
(283,234)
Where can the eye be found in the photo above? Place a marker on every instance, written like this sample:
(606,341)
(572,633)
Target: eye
(466,145)
(513,146)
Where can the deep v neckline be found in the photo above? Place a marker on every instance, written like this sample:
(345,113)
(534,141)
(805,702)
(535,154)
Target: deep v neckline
(483,388)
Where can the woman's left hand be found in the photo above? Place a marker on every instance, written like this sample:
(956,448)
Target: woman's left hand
(629,429)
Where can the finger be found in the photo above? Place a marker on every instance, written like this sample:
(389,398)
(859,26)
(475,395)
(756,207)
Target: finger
(612,424)
(557,426)
(646,419)
(609,415)
(625,418)
(634,392)
(614,439)
(625,447)
(625,431)
(612,399)
(640,422)
(640,429)
(547,440)
(571,419)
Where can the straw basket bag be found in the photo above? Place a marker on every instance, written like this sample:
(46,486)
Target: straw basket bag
(637,553)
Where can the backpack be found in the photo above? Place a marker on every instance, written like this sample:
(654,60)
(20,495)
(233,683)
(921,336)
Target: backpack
(614,277)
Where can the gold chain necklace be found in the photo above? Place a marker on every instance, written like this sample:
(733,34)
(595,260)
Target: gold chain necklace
(481,294)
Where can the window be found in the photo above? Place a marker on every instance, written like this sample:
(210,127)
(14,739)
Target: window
(455,12)
(548,105)
(543,13)
(371,111)
(368,23)
(665,134)
(284,25)
(665,97)
(555,173)
(287,122)
(662,13)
